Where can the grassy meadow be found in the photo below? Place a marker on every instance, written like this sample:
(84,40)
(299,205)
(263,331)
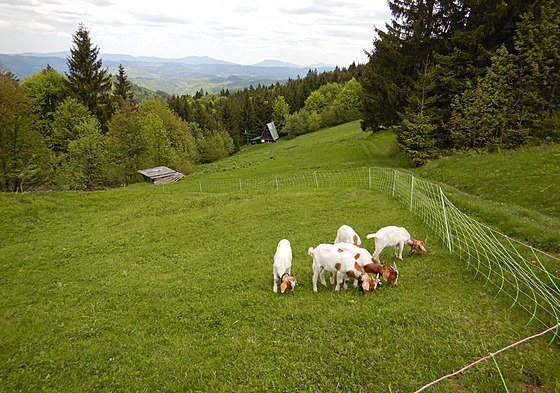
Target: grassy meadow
(155,288)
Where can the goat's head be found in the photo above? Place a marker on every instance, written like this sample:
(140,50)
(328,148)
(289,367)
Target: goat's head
(416,245)
(391,274)
(367,283)
(288,282)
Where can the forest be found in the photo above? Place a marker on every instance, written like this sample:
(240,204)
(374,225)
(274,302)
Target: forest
(449,77)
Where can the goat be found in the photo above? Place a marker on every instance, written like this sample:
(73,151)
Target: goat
(364,259)
(334,259)
(346,234)
(395,236)
(389,273)
(281,269)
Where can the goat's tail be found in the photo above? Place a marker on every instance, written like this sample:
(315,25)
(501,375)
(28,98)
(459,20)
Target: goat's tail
(371,235)
(310,251)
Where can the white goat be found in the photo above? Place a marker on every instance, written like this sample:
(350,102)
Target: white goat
(395,236)
(281,269)
(334,259)
(346,234)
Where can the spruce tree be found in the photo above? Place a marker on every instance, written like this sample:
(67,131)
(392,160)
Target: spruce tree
(123,86)
(86,79)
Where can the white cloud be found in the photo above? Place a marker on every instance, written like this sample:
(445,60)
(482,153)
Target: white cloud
(242,31)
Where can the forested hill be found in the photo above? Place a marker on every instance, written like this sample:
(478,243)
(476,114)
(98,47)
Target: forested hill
(172,76)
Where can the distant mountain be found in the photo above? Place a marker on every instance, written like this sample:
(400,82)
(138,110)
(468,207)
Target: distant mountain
(275,63)
(156,73)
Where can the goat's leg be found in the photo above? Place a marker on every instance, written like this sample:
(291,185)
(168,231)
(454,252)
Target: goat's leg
(339,280)
(400,248)
(322,275)
(315,274)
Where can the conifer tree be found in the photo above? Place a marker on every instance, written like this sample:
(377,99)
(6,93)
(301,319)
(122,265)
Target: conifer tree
(86,79)
(123,86)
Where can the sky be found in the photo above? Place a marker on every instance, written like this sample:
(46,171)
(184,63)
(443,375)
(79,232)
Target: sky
(302,32)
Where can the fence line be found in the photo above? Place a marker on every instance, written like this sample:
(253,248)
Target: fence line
(521,272)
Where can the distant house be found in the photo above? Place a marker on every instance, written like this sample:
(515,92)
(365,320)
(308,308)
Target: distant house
(269,135)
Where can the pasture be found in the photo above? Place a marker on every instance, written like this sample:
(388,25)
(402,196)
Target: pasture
(156,288)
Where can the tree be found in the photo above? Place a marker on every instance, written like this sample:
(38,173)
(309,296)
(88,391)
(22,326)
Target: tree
(66,119)
(89,83)
(4,73)
(86,164)
(346,105)
(280,111)
(126,142)
(123,92)
(22,145)
(47,90)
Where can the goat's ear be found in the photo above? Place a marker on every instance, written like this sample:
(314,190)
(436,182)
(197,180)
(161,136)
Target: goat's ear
(283,286)
(411,251)
(357,256)
(365,286)
(386,274)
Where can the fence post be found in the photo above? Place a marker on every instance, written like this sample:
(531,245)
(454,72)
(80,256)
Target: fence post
(394,182)
(276,182)
(240,185)
(316,181)
(445,218)
(200,185)
(369,173)
(411,190)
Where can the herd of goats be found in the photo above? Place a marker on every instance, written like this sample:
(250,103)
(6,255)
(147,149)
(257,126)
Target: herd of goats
(347,259)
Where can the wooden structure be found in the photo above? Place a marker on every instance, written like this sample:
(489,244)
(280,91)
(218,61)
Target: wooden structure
(269,134)
(161,175)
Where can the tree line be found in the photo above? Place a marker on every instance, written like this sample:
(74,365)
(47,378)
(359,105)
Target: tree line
(458,75)
(85,130)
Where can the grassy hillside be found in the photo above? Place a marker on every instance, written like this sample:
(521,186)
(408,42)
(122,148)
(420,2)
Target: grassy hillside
(152,288)
(515,192)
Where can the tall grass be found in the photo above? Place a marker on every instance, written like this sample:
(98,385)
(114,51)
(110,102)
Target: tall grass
(155,288)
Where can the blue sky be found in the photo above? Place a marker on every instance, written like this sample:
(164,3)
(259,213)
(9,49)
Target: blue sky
(302,32)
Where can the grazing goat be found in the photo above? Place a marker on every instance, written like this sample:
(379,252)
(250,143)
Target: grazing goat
(282,267)
(395,236)
(389,273)
(334,259)
(346,234)
(364,259)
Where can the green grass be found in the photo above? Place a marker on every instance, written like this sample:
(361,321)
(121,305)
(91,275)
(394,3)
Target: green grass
(517,192)
(151,288)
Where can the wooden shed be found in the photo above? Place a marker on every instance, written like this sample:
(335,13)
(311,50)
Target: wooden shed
(161,175)
(269,134)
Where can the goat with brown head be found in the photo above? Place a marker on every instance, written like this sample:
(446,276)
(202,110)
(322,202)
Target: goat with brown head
(389,273)
(416,245)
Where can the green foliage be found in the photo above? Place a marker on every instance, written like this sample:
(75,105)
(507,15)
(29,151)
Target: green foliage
(415,138)
(47,90)
(127,143)
(346,105)
(280,111)
(89,83)
(67,117)
(123,87)
(297,123)
(489,114)
(23,153)
(85,165)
